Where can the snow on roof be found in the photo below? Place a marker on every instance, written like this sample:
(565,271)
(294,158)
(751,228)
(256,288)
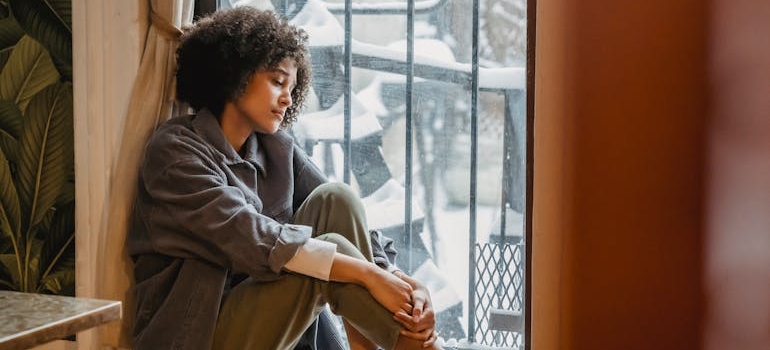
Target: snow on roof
(328,124)
(324,30)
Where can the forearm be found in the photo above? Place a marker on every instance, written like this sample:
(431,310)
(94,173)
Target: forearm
(317,258)
(351,270)
(390,291)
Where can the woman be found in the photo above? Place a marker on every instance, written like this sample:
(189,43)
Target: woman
(238,240)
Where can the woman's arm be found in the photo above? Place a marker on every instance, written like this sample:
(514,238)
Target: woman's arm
(392,292)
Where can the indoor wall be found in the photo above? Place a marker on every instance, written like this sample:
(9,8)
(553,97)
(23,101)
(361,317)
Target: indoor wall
(620,118)
(651,175)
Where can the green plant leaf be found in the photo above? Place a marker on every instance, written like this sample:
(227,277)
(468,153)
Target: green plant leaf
(4,12)
(5,236)
(10,129)
(5,241)
(4,55)
(10,32)
(41,227)
(10,209)
(9,212)
(64,69)
(67,193)
(9,145)
(11,118)
(45,150)
(11,265)
(63,9)
(58,237)
(5,281)
(60,258)
(49,22)
(29,70)
(60,282)
(32,269)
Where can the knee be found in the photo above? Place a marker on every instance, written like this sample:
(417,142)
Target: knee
(339,193)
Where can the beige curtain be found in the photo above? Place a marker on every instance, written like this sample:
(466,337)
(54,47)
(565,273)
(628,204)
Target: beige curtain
(151,103)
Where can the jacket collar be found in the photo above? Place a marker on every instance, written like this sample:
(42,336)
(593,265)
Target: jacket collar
(207,126)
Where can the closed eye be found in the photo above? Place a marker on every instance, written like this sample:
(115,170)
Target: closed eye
(282,78)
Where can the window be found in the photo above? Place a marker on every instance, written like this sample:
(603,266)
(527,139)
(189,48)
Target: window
(421,106)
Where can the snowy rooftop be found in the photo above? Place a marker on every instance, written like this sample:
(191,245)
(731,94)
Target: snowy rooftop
(324,30)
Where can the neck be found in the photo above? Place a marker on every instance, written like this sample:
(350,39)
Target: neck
(234,127)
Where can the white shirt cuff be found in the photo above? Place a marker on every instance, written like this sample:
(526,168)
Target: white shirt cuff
(314,259)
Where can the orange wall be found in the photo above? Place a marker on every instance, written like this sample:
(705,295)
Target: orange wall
(618,174)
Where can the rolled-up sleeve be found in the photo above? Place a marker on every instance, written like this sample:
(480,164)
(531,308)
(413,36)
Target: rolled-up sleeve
(314,259)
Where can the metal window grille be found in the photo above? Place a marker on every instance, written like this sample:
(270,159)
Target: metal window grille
(498,274)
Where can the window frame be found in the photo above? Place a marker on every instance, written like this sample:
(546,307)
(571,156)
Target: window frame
(409,67)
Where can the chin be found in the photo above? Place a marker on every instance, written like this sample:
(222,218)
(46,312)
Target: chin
(273,130)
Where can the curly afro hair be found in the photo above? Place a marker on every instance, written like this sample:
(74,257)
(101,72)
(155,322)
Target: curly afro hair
(219,53)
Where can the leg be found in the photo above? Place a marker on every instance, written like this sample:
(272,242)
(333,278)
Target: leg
(333,207)
(273,315)
(267,315)
(357,340)
(333,210)
(284,309)
(367,321)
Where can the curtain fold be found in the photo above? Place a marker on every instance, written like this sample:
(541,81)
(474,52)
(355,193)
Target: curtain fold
(151,103)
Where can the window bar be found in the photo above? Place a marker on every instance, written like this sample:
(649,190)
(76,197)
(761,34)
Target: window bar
(504,265)
(508,165)
(508,126)
(474,173)
(348,86)
(409,131)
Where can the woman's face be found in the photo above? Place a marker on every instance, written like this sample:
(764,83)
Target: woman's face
(268,94)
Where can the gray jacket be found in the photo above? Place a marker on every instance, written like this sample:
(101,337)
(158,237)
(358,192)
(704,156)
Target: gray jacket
(203,214)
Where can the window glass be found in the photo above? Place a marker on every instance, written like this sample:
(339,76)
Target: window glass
(453,200)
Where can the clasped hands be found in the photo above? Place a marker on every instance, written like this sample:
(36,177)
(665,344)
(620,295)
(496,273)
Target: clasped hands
(409,301)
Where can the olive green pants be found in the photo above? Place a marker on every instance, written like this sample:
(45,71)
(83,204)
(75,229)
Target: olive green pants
(273,315)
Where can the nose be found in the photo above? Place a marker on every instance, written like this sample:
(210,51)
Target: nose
(285,98)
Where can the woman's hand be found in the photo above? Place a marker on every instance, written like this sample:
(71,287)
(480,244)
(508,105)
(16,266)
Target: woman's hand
(392,292)
(407,299)
(419,322)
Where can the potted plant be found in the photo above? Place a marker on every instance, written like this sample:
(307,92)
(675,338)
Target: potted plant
(37,186)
